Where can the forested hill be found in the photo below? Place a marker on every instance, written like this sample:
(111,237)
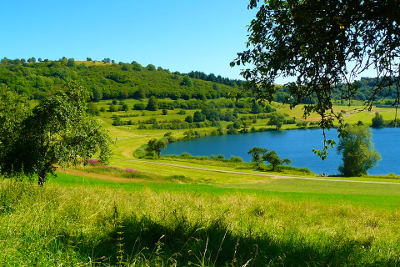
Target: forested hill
(110,80)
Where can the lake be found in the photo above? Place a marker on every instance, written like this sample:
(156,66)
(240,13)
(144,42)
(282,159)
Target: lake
(296,145)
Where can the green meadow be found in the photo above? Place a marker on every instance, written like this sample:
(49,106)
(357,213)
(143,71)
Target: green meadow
(177,211)
(169,221)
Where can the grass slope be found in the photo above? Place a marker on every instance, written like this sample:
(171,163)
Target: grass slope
(78,220)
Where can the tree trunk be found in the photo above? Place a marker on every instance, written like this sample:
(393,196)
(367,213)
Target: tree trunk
(42,178)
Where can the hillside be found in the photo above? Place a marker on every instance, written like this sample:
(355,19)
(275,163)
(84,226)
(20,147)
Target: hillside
(110,80)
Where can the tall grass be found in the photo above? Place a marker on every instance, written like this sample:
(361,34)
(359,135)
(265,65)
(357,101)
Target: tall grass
(92,225)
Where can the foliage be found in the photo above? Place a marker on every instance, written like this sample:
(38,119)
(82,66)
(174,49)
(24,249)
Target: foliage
(377,121)
(152,105)
(189,119)
(358,153)
(57,132)
(198,116)
(92,109)
(139,106)
(154,146)
(257,154)
(314,42)
(104,80)
(277,120)
(256,108)
(186,81)
(213,78)
(273,158)
(124,107)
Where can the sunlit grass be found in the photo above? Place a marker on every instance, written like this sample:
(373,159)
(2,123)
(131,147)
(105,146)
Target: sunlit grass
(77,220)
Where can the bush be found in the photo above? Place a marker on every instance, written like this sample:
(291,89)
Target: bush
(139,106)
(377,121)
(189,119)
(152,105)
(236,159)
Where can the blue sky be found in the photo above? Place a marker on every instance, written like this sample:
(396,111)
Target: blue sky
(182,35)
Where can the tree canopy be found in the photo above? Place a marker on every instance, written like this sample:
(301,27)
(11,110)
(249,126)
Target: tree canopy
(273,158)
(276,119)
(155,146)
(377,121)
(357,150)
(259,155)
(321,45)
(105,80)
(56,132)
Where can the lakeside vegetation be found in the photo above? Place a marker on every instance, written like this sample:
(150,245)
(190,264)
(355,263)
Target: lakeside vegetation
(139,213)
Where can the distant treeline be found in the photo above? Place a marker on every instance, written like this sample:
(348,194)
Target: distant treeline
(109,80)
(212,78)
(363,90)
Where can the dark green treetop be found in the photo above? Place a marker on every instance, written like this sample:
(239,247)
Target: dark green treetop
(56,132)
(357,149)
(152,105)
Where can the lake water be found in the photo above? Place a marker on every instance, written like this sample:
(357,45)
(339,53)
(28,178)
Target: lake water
(296,145)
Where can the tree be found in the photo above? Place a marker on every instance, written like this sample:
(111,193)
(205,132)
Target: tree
(320,45)
(56,132)
(358,153)
(124,107)
(97,94)
(32,60)
(186,81)
(151,67)
(152,105)
(255,108)
(277,120)
(377,121)
(189,119)
(139,106)
(154,146)
(198,116)
(273,158)
(139,94)
(164,111)
(13,110)
(112,108)
(257,155)
(71,62)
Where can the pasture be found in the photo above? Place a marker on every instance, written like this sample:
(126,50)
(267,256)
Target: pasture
(169,220)
(178,212)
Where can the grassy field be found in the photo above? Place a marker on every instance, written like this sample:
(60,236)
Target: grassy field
(178,212)
(78,220)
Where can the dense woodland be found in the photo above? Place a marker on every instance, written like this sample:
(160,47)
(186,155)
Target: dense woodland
(108,80)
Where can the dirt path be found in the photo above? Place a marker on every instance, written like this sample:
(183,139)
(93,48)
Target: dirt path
(257,174)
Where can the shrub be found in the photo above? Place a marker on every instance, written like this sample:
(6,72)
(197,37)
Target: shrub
(377,121)
(236,159)
(139,106)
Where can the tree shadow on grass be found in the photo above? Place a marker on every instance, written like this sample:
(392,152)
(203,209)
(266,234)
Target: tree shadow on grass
(144,241)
